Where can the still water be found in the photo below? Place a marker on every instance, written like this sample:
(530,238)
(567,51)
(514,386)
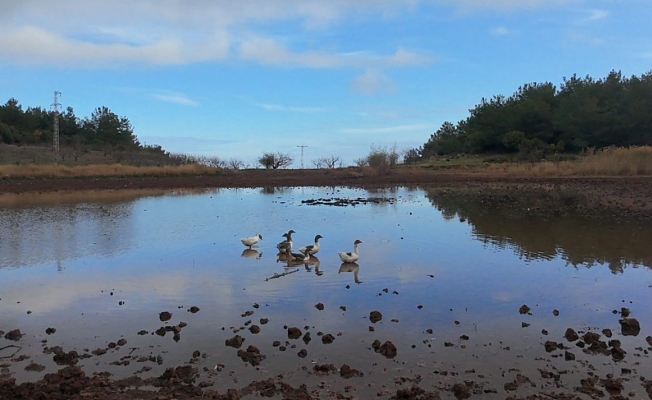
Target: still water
(102,268)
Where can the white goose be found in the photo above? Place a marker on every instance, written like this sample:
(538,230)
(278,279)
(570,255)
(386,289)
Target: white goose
(312,248)
(250,241)
(352,256)
(286,245)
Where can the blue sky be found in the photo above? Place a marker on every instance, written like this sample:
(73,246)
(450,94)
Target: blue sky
(237,78)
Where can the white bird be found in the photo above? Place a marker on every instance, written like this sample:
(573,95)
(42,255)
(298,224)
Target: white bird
(250,241)
(312,248)
(286,245)
(352,256)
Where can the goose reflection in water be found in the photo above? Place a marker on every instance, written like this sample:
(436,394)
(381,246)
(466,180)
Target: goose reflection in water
(351,267)
(314,261)
(251,253)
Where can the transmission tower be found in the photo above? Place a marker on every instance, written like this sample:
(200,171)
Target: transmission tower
(55,133)
(302,147)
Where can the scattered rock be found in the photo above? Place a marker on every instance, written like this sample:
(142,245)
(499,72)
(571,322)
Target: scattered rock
(235,341)
(14,335)
(607,332)
(461,391)
(193,309)
(254,329)
(251,355)
(50,331)
(630,326)
(387,349)
(319,306)
(568,356)
(624,311)
(555,312)
(328,338)
(165,316)
(302,353)
(375,316)
(347,372)
(122,342)
(294,333)
(524,309)
(263,321)
(571,335)
(34,367)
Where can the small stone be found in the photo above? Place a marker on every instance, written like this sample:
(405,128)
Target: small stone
(524,309)
(375,316)
(319,306)
(165,316)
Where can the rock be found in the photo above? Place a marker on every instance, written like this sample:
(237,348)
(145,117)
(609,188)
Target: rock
(34,367)
(524,309)
(630,326)
(302,353)
(263,321)
(571,335)
(50,331)
(165,316)
(328,338)
(617,353)
(591,338)
(387,349)
(461,391)
(319,306)
(375,316)
(568,356)
(182,374)
(307,338)
(251,355)
(161,331)
(429,331)
(254,329)
(347,372)
(193,309)
(235,341)
(555,312)
(122,342)
(99,352)
(343,308)
(624,311)
(69,358)
(607,332)
(196,354)
(14,335)
(649,340)
(294,333)
(551,346)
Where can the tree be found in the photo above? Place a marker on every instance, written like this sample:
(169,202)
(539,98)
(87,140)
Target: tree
(328,162)
(275,160)
(105,126)
(411,156)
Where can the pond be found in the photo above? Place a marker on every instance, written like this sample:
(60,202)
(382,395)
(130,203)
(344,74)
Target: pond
(448,276)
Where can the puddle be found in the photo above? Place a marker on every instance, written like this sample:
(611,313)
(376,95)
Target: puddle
(447,276)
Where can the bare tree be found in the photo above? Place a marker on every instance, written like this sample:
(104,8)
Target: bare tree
(361,162)
(275,160)
(328,162)
(234,163)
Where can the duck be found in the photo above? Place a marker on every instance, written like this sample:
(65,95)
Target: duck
(304,256)
(250,241)
(286,245)
(352,256)
(312,248)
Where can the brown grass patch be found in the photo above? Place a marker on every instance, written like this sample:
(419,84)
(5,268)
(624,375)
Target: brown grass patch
(632,161)
(103,170)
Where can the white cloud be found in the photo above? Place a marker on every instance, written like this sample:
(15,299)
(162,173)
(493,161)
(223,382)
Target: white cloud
(280,107)
(372,82)
(504,5)
(176,98)
(386,129)
(500,31)
(595,15)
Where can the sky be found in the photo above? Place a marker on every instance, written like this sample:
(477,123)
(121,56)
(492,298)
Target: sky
(235,79)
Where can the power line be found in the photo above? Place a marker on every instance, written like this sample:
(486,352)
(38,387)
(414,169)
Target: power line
(55,133)
(302,147)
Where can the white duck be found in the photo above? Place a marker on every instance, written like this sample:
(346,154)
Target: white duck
(312,248)
(286,245)
(352,256)
(250,241)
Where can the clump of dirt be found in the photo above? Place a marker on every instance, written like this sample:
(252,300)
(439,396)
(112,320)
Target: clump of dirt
(375,316)
(252,355)
(387,349)
(235,341)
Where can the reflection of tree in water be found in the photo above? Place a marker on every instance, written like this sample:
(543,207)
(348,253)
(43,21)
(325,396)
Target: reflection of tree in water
(51,234)
(580,242)
(273,190)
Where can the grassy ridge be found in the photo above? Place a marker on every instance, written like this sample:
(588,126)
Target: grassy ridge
(632,161)
(102,170)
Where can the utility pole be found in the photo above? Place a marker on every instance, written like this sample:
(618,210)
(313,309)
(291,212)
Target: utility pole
(302,147)
(55,133)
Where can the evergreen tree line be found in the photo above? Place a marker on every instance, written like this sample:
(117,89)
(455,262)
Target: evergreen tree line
(539,119)
(35,126)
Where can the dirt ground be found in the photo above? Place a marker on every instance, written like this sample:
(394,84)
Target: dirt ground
(599,197)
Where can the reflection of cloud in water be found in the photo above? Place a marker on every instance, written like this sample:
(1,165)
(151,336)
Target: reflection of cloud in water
(580,242)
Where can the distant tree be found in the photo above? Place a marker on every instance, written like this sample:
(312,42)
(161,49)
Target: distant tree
(234,163)
(411,156)
(275,160)
(332,161)
(361,162)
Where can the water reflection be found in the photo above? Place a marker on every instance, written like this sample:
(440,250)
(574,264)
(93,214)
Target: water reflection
(578,241)
(351,267)
(251,253)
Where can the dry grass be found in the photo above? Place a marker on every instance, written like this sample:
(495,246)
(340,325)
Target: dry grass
(102,170)
(632,161)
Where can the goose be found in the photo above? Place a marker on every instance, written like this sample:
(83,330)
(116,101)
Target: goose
(303,257)
(312,248)
(250,241)
(286,245)
(352,256)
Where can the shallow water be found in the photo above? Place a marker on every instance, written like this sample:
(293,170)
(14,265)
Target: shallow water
(103,268)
